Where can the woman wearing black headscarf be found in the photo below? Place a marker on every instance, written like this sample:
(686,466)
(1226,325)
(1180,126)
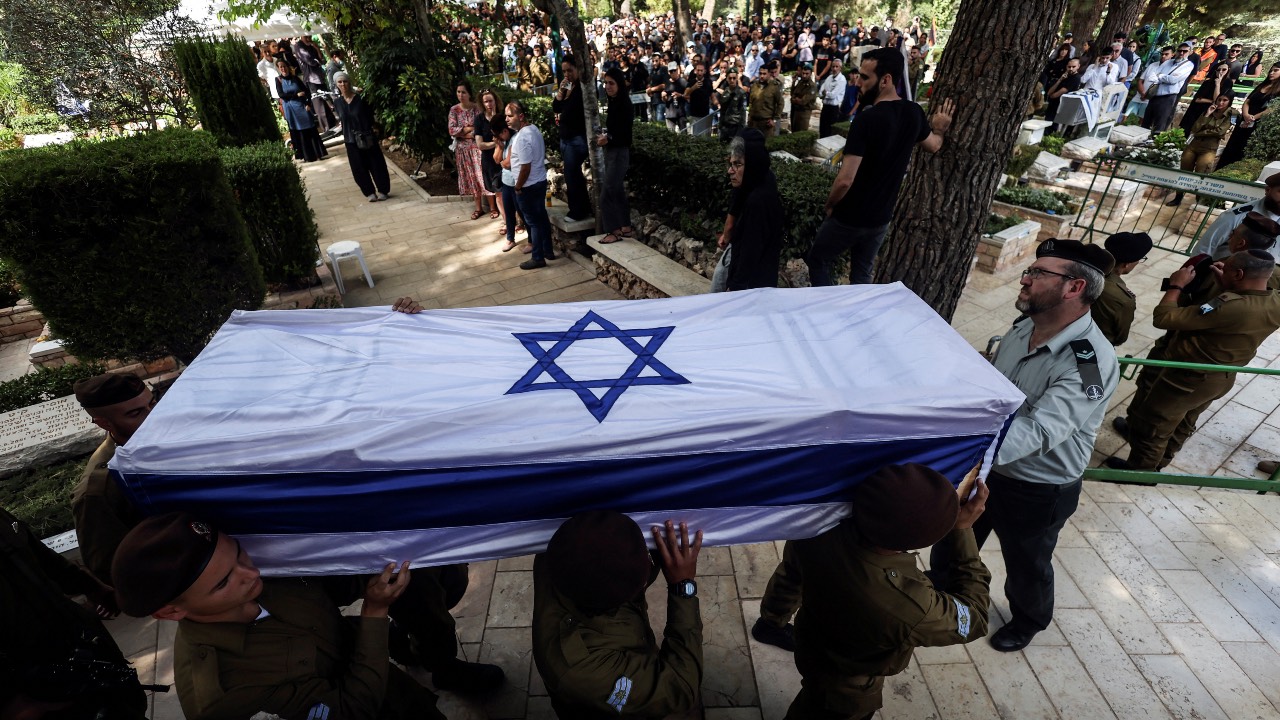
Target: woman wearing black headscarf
(755,236)
(615,212)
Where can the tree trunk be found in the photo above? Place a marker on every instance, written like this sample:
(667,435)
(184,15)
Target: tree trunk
(1085,15)
(946,197)
(571,26)
(709,10)
(1154,10)
(1122,16)
(684,31)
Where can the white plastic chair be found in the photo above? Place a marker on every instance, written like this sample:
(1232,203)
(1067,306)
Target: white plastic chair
(344,250)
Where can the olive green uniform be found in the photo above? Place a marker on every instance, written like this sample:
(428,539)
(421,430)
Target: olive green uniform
(1113,310)
(1226,330)
(803,93)
(1206,135)
(102,512)
(541,71)
(303,661)
(609,665)
(765,104)
(41,627)
(863,614)
(524,73)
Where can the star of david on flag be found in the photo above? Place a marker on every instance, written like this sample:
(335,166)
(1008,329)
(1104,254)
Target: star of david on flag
(599,407)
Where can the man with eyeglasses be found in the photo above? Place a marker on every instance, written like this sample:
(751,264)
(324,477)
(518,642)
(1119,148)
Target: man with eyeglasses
(1113,311)
(1169,77)
(1233,61)
(1058,356)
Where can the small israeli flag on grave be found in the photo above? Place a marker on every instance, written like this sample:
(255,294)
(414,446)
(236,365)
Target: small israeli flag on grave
(334,441)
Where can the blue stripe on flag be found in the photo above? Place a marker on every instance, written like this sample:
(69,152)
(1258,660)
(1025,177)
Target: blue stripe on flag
(330,502)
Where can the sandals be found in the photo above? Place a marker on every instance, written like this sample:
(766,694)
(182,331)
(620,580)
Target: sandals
(625,233)
(495,215)
(616,237)
(521,229)
(476,214)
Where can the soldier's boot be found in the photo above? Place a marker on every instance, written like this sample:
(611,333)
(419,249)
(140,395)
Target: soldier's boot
(468,678)
(778,636)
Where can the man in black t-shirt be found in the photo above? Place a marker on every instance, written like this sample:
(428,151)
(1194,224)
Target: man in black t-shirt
(700,99)
(876,154)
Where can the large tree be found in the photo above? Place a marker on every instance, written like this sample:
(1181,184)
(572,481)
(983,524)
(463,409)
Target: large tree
(1122,16)
(1085,15)
(989,67)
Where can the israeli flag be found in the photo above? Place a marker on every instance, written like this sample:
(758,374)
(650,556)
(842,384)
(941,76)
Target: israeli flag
(334,441)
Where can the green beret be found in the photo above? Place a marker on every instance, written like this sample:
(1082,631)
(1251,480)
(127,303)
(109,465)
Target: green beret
(599,560)
(1127,247)
(108,389)
(159,559)
(1258,222)
(905,507)
(1088,255)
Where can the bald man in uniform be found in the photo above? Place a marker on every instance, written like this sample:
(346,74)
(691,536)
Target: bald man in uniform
(1114,309)
(1226,330)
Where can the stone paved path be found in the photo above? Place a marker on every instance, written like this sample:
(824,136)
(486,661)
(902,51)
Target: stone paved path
(1168,598)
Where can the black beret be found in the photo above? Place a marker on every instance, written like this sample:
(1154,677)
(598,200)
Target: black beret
(109,389)
(159,559)
(1127,247)
(905,507)
(1261,223)
(1090,255)
(598,559)
(1273,180)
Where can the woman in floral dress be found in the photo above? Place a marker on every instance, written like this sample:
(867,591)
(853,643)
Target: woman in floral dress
(462,126)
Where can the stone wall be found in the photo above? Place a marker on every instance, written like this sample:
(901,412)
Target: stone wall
(620,279)
(693,254)
(20,322)
(1008,248)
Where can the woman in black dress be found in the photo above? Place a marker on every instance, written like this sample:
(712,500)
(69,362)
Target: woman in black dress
(295,97)
(1261,102)
(364,154)
(491,172)
(615,212)
(1208,93)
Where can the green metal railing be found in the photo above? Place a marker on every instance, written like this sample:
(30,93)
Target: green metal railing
(1128,369)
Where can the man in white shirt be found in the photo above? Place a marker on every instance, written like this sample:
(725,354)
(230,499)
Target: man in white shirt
(267,73)
(1122,65)
(529,164)
(1100,74)
(831,93)
(1169,78)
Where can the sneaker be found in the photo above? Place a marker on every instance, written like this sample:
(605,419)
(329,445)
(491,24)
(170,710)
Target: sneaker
(383,196)
(532,264)
(373,197)
(468,678)
(782,637)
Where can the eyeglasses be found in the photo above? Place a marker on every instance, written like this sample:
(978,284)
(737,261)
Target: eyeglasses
(736,164)
(1036,273)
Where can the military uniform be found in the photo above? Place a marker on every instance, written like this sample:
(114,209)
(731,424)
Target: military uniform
(301,660)
(524,73)
(41,627)
(102,512)
(886,608)
(609,665)
(733,112)
(765,104)
(1113,311)
(540,71)
(803,93)
(1227,330)
(1214,238)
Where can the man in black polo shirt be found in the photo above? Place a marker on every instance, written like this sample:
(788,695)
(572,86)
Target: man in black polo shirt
(573,139)
(876,154)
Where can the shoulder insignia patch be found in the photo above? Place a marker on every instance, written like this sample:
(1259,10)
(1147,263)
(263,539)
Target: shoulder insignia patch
(1207,308)
(621,691)
(963,619)
(1242,209)
(319,711)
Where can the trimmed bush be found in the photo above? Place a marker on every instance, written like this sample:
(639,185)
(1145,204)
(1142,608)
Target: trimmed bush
(131,248)
(35,124)
(1024,156)
(998,223)
(1246,170)
(799,144)
(274,206)
(223,81)
(1055,203)
(1053,144)
(1264,143)
(44,384)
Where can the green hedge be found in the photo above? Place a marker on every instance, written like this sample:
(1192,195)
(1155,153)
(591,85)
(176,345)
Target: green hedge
(799,144)
(1024,156)
(1056,203)
(223,81)
(1264,143)
(35,124)
(131,248)
(684,180)
(10,291)
(41,497)
(274,206)
(44,384)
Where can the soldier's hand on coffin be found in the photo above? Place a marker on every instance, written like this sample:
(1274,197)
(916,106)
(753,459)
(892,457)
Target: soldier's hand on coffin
(384,589)
(679,556)
(972,508)
(407,305)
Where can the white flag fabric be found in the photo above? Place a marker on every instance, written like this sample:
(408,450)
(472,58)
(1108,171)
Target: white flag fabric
(334,441)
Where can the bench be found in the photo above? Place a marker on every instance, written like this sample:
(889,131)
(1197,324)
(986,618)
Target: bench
(566,235)
(638,271)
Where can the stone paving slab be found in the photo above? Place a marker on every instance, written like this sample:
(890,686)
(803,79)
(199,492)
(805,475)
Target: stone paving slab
(1168,598)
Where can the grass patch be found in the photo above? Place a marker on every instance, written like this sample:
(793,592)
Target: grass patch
(41,497)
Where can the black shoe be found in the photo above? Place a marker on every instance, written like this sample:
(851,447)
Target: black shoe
(1174,202)
(783,637)
(533,264)
(1116,463)
(550,256)
(400,647)
(1121,425)
(468,678)
(1011,639)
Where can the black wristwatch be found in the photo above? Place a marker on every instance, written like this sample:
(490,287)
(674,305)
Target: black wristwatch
(683,589)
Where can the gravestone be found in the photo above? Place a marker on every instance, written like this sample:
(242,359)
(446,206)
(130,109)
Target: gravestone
(44,434)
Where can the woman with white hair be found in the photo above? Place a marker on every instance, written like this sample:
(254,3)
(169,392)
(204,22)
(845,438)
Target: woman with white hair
(364,154)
